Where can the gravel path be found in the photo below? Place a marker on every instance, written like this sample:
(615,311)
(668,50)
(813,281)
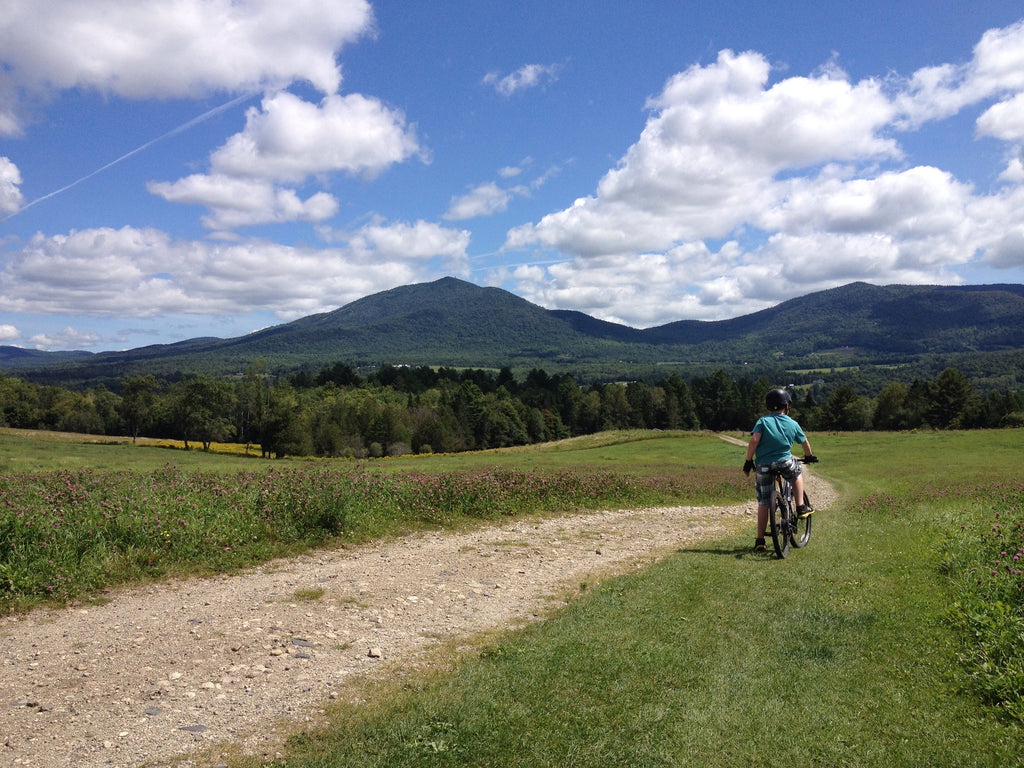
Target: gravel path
(178,668)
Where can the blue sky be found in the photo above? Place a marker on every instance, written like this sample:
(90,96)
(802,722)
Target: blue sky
(209,167)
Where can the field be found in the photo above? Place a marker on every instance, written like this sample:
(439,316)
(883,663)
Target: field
(896,637)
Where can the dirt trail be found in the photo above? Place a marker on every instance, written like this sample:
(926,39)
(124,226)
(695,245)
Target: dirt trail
(178,668)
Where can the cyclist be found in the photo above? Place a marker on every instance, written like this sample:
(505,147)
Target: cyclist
(769,449)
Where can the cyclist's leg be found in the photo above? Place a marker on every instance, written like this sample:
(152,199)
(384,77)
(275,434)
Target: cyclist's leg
(764,492)
(762,520)
(797,481)
(799,497)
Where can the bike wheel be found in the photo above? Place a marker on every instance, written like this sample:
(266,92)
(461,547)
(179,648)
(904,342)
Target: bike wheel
(802,528)
(779,521)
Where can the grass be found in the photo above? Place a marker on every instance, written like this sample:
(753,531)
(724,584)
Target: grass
(33,451)
(882,643)
(69,534)
(848,653)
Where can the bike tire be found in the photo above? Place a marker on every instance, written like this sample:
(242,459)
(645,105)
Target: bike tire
(778,522)
(802,528)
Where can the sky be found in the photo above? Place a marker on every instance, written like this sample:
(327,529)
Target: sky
(173,169)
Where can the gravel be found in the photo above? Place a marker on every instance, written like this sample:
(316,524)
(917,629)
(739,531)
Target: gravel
(189,670)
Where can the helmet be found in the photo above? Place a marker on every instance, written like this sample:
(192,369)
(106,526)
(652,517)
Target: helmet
(777,399)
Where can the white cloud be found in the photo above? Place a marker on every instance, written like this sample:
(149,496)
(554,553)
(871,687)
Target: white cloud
(289,140)
(523,78)
(68,338)
(802,180)
(401,241)
(488,198)
(706,160)
(1014,173)
(1004,120)
(142,273)
(188,48)
(11,198)
(482,200)
(996,69)
(236,203)
(9,333)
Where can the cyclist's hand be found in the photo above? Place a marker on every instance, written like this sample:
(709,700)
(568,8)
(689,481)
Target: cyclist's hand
(748,467)
(810,458)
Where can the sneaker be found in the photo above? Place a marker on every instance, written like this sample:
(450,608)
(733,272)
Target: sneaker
(804,511)
(759,545)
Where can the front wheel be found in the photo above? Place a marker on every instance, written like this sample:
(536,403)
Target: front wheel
(779,521)
(802,528)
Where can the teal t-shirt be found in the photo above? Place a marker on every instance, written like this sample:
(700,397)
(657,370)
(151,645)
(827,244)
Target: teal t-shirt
(778,433)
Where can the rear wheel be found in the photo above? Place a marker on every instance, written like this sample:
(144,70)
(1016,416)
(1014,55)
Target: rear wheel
(802,528)
(778,521)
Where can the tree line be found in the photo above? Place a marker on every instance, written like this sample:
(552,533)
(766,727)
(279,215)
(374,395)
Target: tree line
(398,410)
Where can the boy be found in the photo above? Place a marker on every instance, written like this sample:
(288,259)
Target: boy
(771,442)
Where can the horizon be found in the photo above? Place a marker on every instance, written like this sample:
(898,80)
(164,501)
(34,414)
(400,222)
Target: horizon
(449,277)
(202,177)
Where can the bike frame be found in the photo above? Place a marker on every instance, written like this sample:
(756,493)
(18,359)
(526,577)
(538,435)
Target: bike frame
(786,528)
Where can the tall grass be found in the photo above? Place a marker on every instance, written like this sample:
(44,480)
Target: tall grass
(68,534)
(985,563)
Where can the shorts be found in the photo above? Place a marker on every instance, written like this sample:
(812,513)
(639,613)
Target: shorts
(789,468)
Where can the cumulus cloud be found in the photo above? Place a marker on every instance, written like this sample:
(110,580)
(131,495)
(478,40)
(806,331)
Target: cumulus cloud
(9,333)
(482,200)
(11,198)
(68,338)
(1004,120)
(800,183)
(132,272)
(529,76)
(996,69)
(235,203)
(151,48)
(706,161)
(289,140)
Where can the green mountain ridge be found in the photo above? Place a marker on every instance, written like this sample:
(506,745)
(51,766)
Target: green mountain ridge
(454,323)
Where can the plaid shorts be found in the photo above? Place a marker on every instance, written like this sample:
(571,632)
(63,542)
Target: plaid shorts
(789,468)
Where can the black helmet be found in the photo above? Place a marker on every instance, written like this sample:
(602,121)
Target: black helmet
(777,399)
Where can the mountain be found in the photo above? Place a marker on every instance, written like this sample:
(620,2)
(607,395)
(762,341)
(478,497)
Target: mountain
(455,323)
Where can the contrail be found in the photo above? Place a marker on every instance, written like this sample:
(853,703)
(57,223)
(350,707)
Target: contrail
(173,132)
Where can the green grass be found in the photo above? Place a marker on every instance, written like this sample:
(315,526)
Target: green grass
(69,534)
(879,644)
(848,653)
(32,451)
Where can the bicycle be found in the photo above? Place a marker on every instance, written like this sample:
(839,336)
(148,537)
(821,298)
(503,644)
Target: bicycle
(786,528)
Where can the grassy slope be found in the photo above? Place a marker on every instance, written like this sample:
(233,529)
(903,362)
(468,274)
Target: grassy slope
(838,656)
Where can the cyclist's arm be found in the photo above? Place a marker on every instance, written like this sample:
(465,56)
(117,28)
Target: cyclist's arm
(748,465)
(807,448)
(755,438)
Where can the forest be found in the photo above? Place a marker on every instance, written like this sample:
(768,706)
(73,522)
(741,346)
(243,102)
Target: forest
(398,410)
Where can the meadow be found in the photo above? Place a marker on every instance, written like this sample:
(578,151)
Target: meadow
(896,637)
(110,514)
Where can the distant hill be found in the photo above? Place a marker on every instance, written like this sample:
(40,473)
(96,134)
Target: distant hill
(455,323)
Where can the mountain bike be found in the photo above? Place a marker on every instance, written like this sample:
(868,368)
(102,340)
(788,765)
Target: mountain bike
(786,528)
